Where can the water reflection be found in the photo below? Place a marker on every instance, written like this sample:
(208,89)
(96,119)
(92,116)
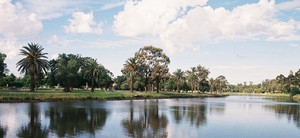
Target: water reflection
(195,114)
(147,122)
(69,120)
(290,111)
(34,128)
(232,116)
(2,131)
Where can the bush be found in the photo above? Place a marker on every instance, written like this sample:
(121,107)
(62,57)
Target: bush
(294,90)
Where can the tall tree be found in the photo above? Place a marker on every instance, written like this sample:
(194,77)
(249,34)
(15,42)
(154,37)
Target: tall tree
(35,62)
(221,82)
(92,71)
(67,70)
(192,78)
(129,70)
(3,66)
(179,78)
(152,65)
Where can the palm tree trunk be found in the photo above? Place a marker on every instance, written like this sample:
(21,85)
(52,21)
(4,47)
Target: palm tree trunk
(93,86)
(157,86)
(131,83)
(32,83)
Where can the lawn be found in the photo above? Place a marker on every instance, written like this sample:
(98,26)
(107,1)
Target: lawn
(56,95)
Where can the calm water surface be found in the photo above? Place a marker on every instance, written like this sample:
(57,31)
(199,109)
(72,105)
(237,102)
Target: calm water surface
(233,116)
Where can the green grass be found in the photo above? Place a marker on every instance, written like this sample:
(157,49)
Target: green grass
(260,94)
(53,95)
(296,97)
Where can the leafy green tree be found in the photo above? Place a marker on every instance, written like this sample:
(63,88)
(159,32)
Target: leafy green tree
(221,82)
(3,66)
(179,78)
(192,78)
(68,70)
(35,62)
(51,81)
(119,81)
(202,76)
(92,71)
(152,65)
(129,70)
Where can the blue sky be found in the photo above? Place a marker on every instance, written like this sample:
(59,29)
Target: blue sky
(244,40)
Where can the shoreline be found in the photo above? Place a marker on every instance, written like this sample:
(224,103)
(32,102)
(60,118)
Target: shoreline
(54,96)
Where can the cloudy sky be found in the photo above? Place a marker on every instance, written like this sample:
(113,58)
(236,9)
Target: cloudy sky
(244,40)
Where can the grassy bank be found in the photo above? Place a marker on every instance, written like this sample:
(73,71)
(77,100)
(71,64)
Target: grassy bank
(51,95)
(260,94)
(296,97)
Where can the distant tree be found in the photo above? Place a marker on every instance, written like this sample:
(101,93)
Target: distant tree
(152,65)
(221,82)
(179,78)
(129,70)
(92,71)
(192,78)
(68,70)
(119,81)
(3,66)
(34,62)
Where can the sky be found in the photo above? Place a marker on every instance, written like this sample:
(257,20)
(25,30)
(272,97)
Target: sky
(244,40)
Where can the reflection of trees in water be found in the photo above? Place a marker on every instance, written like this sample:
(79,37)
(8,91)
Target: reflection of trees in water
(216,108)
(292,112)
(2,131)
(34,128)
(149,123)
(72,121)
(195,114)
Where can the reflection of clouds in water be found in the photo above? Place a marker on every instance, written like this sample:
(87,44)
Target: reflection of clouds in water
(13,117)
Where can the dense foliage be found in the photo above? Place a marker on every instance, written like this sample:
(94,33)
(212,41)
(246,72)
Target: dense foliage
(146,70)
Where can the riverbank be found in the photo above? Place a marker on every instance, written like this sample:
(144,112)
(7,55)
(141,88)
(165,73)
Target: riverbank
(295,97)
(48,95)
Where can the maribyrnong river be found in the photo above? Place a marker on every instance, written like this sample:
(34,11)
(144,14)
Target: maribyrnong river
(228,117)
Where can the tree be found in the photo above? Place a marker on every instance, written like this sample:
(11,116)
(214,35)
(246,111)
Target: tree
(202,76)
(221,82)
(35,62)
(192,78)
(68,70)
(3,66)
(92,71)
(179,78)
(129,70)
(152,65)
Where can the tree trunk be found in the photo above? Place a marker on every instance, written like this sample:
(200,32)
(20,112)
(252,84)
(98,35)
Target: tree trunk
(157,86)
(93,86)
(131,83)
(177,87)
(32,83)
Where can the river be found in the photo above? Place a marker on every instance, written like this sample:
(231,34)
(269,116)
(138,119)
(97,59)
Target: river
(227,117)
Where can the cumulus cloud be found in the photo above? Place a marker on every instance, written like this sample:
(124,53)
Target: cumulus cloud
(15,21)
(290,5)
(10,48)
(83,23)
(181,24)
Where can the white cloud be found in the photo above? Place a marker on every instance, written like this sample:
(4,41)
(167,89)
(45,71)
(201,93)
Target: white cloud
(10,48)
(182,24)
(15,21)
(83,23)
(289,5)
(112,5)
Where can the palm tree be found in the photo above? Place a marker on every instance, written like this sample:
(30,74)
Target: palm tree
(129,69)
(35,62)
(192,78)
(179,76)
(93,72)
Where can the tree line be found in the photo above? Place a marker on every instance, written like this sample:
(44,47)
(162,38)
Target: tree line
(146,70)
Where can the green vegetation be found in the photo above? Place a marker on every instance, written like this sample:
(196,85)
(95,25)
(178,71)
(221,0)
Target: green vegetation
(146,71)
(58,95)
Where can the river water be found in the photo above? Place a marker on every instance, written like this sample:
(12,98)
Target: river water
(228,117)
